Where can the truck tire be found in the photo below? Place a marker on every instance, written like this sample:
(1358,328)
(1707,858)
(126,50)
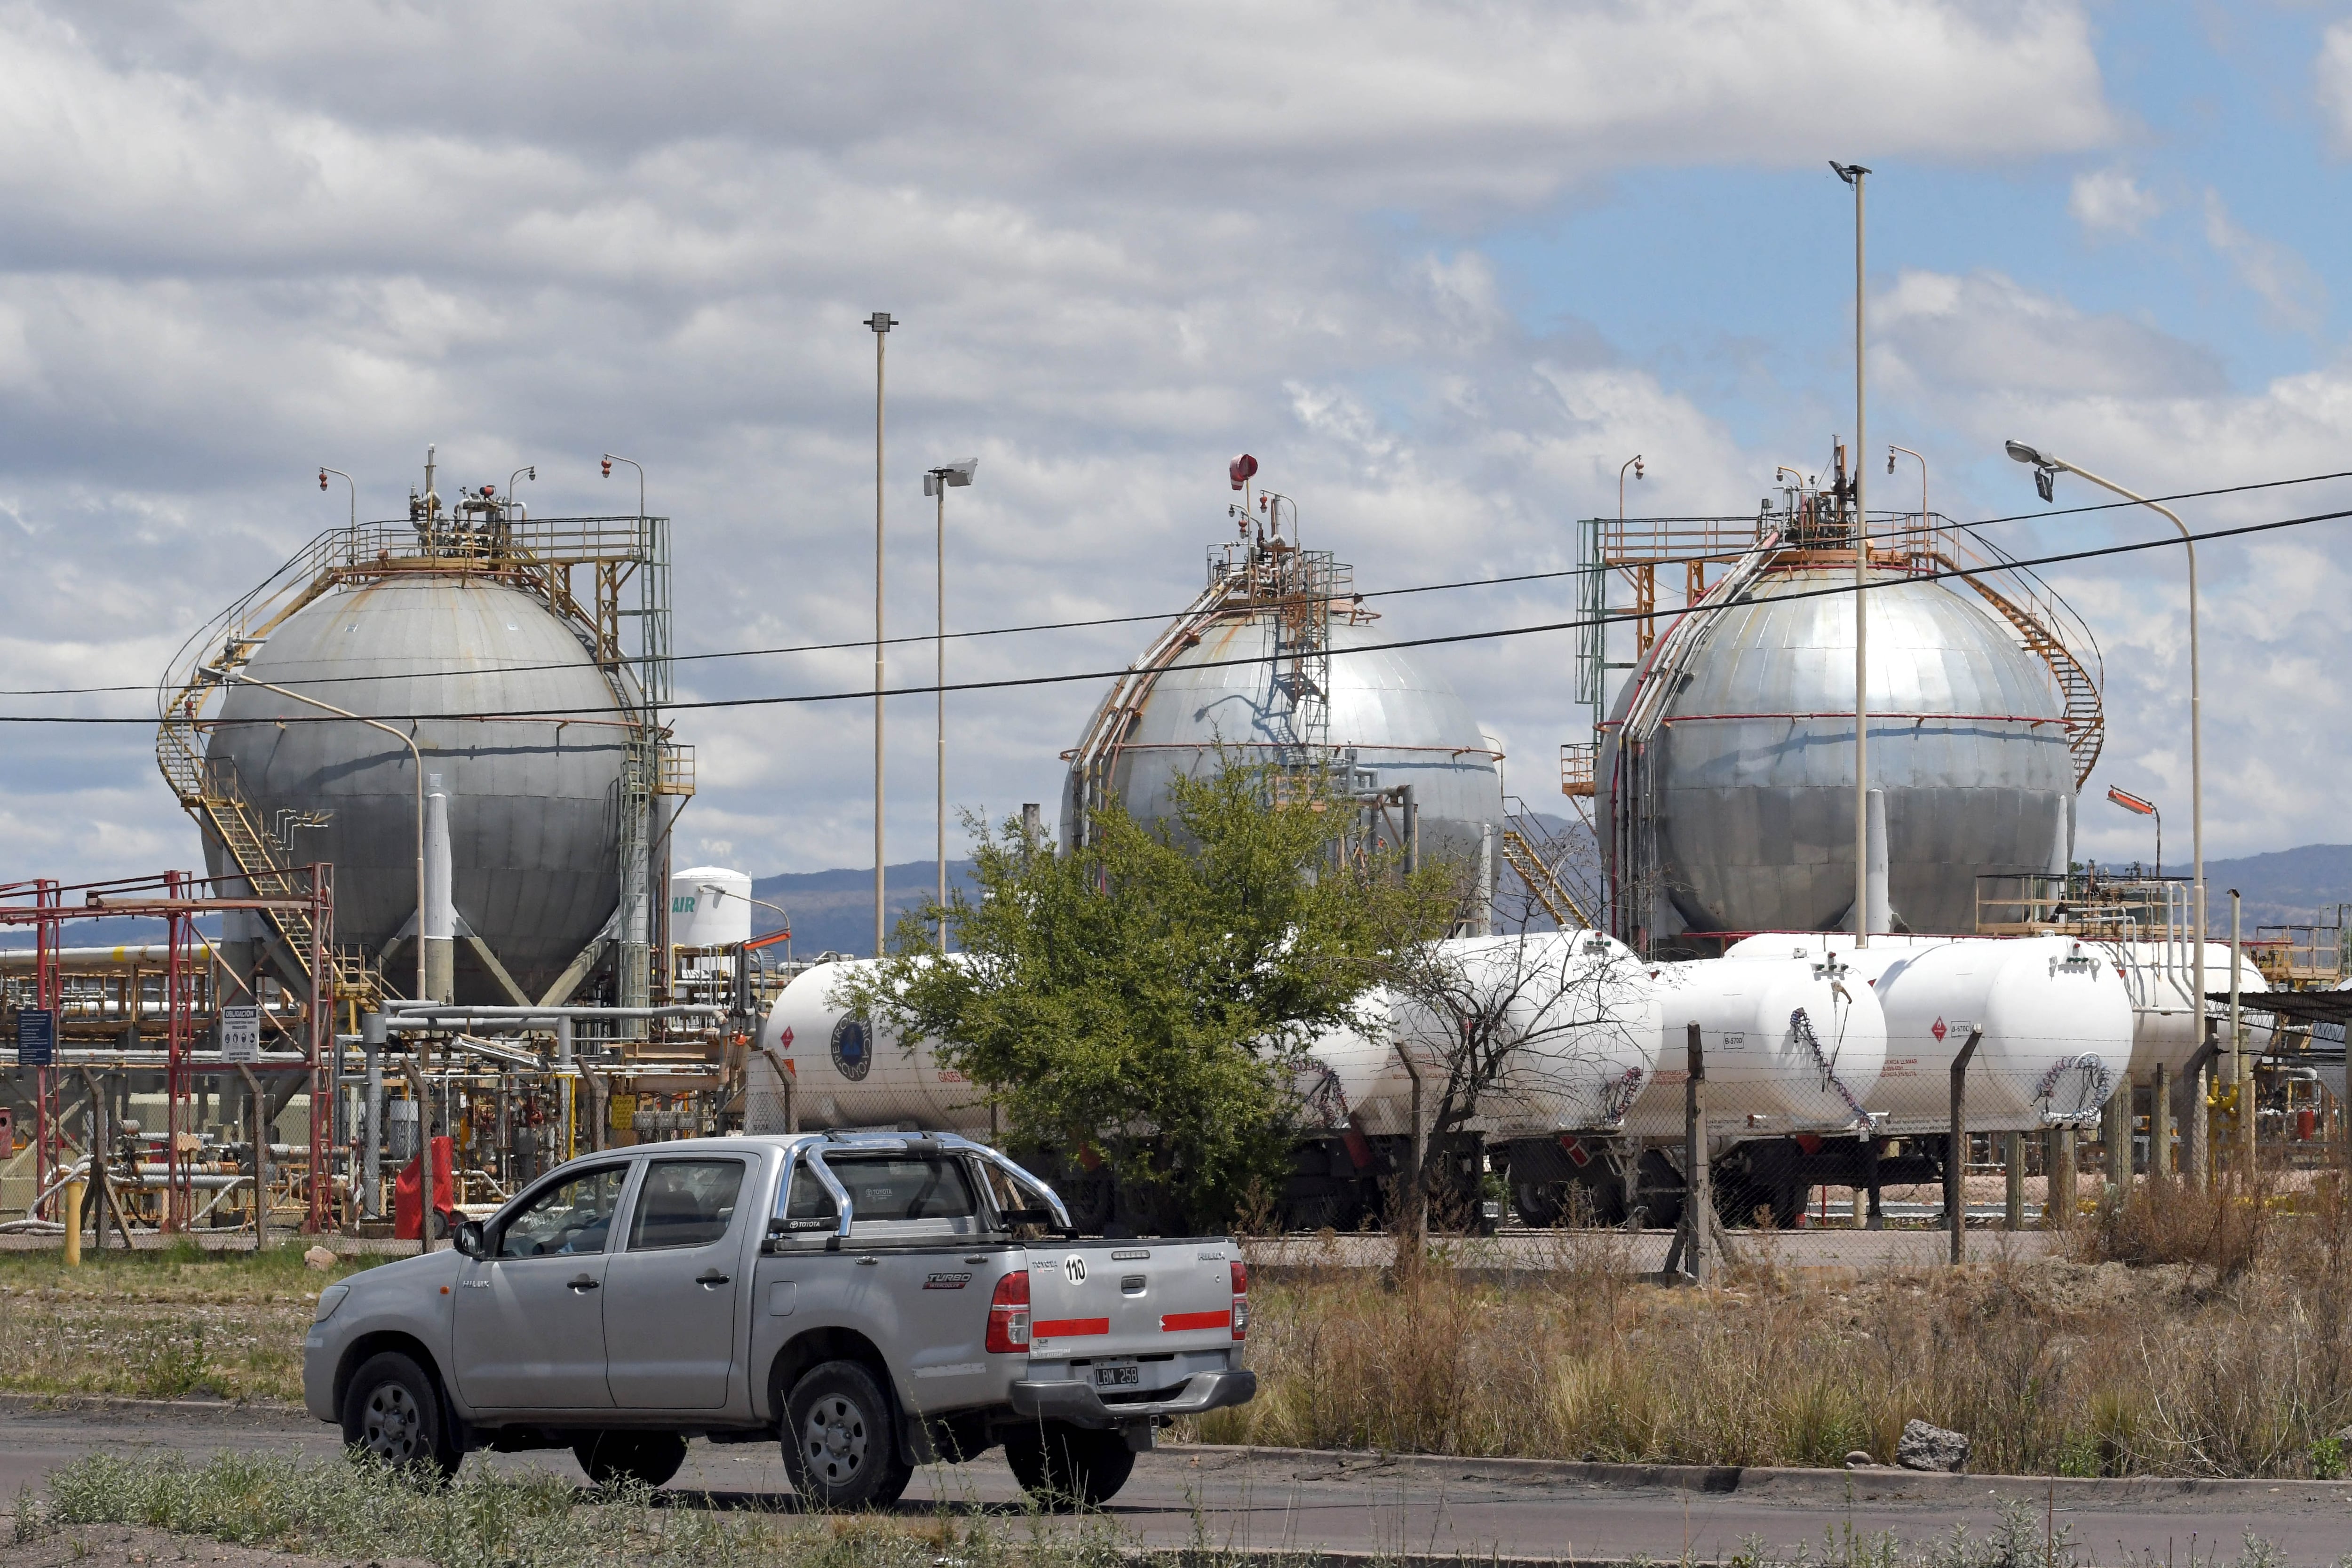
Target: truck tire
(1065,1466)
(649,1458)
(840,1445)
(392,1413)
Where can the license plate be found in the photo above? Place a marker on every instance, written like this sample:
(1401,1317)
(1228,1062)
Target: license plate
(1118,1375)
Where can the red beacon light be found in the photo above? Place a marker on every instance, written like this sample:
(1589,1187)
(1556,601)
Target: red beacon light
(1242,469)
(322,479)
(608,468)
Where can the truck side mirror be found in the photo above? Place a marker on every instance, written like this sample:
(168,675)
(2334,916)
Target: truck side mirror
(470,1240)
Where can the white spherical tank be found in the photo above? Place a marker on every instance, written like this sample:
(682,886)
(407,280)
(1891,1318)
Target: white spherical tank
(709,906)
(2057,1031)
(526,733)
(1572,1014)
(1791,1045)
(1744,790)
(1228,694)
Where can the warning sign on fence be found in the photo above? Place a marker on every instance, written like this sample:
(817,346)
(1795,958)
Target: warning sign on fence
(240,1033)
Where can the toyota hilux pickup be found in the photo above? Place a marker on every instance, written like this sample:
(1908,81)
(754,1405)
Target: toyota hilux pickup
(875,1301)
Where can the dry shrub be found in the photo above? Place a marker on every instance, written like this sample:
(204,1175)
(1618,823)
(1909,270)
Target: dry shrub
(2051,1366)
(2221,1230)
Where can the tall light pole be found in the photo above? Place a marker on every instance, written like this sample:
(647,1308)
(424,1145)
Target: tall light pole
(354,489)
(936,482)
(881,321)
(1853,174)
(639,924)
(1634,463)
(416,761)
(2045,469)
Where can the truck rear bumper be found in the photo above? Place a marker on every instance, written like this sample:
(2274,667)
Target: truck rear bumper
(1080,1405)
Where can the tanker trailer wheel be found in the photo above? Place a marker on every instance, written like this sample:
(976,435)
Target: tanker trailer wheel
(649,1458)
(1539,1204)
(1065,1466)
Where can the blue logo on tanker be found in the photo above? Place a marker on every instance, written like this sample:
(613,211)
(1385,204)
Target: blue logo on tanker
(851,1051)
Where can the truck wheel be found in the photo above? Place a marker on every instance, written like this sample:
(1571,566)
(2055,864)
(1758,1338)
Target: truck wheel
(649,1459)
(840,1446)
(392,1413)
(1065,1466)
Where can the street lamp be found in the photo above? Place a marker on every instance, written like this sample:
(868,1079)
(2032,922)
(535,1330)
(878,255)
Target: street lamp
(2139,807)
(220,672)
(1634,463)
(936,482)
(881,321)
(1853,174)
(354,489)
(609,460)
(1923,478)
(2046,470)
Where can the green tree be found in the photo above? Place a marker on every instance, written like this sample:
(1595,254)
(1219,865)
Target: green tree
(1150,996)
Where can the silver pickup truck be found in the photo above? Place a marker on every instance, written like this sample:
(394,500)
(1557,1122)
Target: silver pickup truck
(868,1299)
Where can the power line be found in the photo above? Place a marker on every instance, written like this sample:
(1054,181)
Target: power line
(1504,581)
(563,715)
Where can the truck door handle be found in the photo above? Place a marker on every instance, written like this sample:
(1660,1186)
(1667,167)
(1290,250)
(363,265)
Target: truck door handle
(581,1282)
(710,1278)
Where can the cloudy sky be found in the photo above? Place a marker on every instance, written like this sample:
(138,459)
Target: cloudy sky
(1442,267)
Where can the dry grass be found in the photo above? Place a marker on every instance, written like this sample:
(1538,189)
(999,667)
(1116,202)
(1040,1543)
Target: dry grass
(2229,1356)
(158,1325)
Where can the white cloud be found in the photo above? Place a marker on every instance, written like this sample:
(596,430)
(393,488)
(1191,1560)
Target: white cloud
(2332,74)
(2288,287)
(2109,202)
(1942,334)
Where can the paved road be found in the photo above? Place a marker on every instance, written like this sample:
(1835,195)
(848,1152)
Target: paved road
(1360,1502)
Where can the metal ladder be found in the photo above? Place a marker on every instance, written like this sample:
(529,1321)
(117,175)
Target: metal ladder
(2086,725)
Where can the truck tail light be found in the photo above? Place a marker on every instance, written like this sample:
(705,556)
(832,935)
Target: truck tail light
(1240,1299)
(1008,1315)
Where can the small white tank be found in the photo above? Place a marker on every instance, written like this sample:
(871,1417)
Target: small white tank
(709,906)
(1769,1072)
(1580,1018)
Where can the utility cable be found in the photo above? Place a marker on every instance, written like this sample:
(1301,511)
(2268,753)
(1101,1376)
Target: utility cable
(558,715)
(1900,531)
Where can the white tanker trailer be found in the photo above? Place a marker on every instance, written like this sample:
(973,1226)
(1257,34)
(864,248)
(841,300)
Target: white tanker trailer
(1576,1010)
(1791,1045)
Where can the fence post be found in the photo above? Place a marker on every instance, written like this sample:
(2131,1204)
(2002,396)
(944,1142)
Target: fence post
(2058,1199)
(256,1119)
(1698,1190)
(2116,1133)
(2012,1159)
(1956,1150)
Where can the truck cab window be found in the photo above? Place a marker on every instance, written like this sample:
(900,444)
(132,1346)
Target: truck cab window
(571,1219)
(684,1202)
(884,1186)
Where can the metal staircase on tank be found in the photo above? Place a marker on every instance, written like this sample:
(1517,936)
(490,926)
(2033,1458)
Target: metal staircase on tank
(1543,883)
(209,787)
(2086,722)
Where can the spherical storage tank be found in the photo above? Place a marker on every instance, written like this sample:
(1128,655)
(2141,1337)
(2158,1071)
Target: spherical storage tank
(1403,723)
(534,803)
(1749,776)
